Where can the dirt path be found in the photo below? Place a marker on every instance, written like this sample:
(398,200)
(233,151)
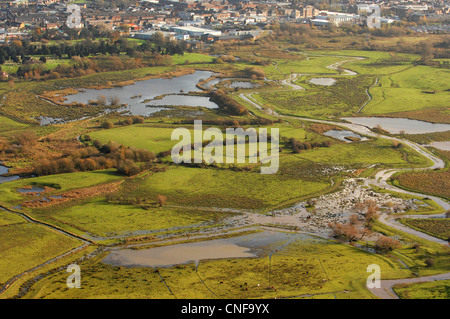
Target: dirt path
(386,292)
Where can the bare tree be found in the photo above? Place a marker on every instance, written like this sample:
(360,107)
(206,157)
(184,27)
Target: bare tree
(161,200)
(114,100)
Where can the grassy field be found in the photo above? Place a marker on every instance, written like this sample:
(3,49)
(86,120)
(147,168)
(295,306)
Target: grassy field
(24,246)
(305,266)
(424,290)
(374,62)
(435,227)
(8,126)
(192,58)
(364,153)
(60,182)
(416,251)
(222,188)
(343,98)
(433,183)
(96,217)
(155,139)
(417,88)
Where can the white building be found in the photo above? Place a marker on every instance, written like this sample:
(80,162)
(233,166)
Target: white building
(194,31)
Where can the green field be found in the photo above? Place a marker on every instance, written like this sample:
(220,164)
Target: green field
(426,290)
(222,188)
(24,246)
(343,98)
(417,88)
(302,268)
(8,126)
(97,217)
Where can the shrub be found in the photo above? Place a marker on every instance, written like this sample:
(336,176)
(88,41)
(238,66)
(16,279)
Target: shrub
(429,262)
(161,199)
(107,125)
(345,231)
(385,244)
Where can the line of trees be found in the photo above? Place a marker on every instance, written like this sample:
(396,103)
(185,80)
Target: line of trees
(298,146)
(18,50)
(227,104)
(99,156)
(85,66)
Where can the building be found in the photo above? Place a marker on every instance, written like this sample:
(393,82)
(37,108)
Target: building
(149,34)
(337,18)
(194,31)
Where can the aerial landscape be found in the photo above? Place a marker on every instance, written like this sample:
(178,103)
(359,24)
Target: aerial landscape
(224,149)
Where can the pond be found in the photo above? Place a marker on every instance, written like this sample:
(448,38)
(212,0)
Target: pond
(234,83)
(445,146)
(343,135)
(397,125)
(141,93)
(34,189)
(246,246)
(323,81)
(4,179)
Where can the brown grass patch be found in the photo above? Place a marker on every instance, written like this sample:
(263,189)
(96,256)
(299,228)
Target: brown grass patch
(436,115)
(74,194)
(322,128)
(433,183)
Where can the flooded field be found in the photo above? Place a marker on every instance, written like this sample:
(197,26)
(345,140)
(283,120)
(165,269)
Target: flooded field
(323,81)
(246,246)
(344,135)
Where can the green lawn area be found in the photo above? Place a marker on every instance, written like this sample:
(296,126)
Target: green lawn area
(420,87)
(192,58)
(9,218)
(158,138)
